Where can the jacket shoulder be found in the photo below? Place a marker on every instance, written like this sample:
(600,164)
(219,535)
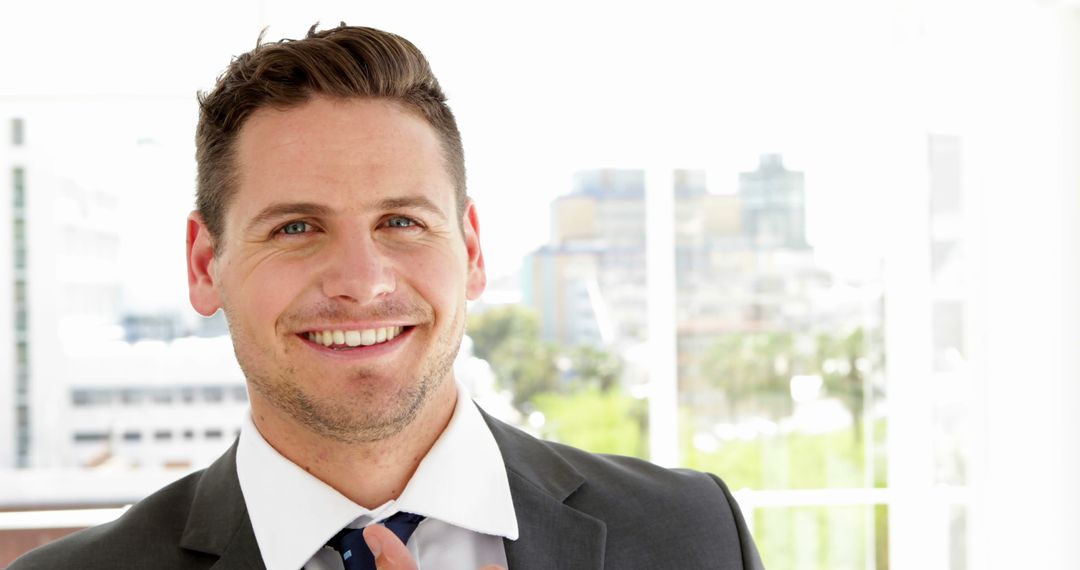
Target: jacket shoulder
(150,531)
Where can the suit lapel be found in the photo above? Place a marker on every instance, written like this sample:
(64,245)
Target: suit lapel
(218,523)
(551,534)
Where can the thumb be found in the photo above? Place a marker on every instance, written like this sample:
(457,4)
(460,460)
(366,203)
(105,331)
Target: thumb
(389,552)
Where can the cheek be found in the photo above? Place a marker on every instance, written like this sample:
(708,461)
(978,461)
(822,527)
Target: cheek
(440,283)
(265,294)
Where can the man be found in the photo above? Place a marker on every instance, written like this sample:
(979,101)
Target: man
(334,230)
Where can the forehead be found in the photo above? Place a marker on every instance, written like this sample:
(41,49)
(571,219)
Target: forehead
(340,152)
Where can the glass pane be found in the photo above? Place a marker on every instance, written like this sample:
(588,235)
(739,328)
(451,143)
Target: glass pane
(825,538)
(18,134)
(777,390)
(563,356)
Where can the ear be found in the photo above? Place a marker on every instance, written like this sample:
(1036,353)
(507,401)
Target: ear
(476,279)
(200,264)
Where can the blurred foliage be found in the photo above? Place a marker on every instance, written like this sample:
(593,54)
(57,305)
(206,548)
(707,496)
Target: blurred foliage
(824,538)
(509,339)
(597,421)
(576,388)
(754,370)
(843,361)
(592,367)
(791,461)
(491,329)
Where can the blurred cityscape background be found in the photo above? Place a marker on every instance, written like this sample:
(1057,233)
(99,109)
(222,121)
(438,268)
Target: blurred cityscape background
(850,291)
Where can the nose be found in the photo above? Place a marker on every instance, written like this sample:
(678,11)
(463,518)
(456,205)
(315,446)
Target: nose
(356,269)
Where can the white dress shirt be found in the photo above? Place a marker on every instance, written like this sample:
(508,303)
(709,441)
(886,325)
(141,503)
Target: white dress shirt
(460,486)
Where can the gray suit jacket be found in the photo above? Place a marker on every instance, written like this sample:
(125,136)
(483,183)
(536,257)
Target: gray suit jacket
(575,510)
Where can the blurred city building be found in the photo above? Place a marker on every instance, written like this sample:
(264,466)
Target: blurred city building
(743,265)
(91,376)
(61,286)
(152,403)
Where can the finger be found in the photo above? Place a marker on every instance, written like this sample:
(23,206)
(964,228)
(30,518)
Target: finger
(390,553)
(492,567)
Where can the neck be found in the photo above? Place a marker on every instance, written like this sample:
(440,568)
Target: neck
(368,473)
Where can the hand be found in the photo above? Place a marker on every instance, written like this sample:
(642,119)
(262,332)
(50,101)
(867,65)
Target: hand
(391,554)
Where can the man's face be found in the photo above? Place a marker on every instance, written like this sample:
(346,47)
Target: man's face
(342,269)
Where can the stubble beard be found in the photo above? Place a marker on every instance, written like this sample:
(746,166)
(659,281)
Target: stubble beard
(353,419)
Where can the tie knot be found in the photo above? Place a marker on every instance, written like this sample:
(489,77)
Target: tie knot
(350,544)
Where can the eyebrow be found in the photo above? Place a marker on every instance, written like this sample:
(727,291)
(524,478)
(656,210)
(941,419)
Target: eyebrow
(279,210)
(418,202)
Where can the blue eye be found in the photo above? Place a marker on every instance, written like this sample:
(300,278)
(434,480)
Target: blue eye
(400,222)
(293,228)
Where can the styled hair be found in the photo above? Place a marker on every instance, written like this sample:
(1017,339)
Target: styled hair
(343,62)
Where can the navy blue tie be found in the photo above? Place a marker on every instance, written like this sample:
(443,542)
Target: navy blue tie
(349,543)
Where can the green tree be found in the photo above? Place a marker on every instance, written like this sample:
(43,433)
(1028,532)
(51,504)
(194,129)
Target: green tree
(753,370)
(592,366)
(491,329)
(844,361)
(509,339)
(601,422)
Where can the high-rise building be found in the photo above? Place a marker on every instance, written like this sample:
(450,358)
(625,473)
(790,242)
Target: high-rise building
(773,205)
(589,281)
(742,262)
(739,258)
(14,352)
(586,281)
(60,287)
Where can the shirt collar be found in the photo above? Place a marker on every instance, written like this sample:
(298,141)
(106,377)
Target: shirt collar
(461,481)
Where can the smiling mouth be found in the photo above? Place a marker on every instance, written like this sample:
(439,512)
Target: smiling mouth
(346,339)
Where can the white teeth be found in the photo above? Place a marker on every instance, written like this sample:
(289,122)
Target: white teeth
(366,337)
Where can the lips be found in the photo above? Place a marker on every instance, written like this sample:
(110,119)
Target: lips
(353,338)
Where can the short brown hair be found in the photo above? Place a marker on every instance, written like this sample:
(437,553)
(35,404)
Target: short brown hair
(345,62)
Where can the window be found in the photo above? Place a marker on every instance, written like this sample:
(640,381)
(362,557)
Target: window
(213,394)
(239,394)
(18,134)
(21,354)
(90,437)
(18,187)
(132,396)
